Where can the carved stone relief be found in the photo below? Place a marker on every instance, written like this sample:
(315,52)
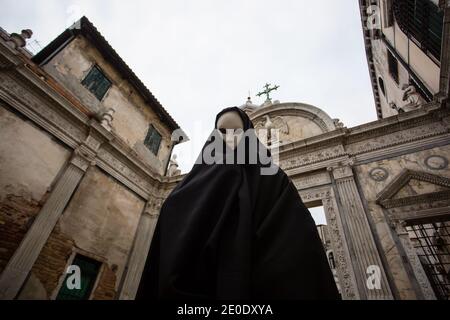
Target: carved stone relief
(345,273)
(378,174)
(39,109)
(436,162)
(400,137)
(311,180)
(312,157)
(124,170)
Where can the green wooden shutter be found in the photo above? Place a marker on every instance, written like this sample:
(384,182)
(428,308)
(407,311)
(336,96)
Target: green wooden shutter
(421,20)
(153,140)
(97,83)
(89,271)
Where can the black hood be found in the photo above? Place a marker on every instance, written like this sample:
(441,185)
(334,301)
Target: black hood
(230,232)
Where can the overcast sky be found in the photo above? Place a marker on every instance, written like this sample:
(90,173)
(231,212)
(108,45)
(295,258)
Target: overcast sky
(198,57)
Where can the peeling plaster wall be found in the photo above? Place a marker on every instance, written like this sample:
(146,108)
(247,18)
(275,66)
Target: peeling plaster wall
(29,158)
(29,162)
(371,188)
(102,218)
(133,115)
(100,222)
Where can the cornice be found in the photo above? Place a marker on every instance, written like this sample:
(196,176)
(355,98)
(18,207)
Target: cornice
(376,129)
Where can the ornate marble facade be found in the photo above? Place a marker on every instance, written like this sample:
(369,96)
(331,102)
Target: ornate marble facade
(350,171)
(378,183)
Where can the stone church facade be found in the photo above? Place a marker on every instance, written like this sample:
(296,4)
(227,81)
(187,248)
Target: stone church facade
(375,182)
(83,165)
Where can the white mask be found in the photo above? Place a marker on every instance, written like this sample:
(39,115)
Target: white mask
(231,126)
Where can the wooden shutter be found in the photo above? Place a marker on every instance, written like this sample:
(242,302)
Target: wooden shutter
(97,83)
(89,271)
(153,140)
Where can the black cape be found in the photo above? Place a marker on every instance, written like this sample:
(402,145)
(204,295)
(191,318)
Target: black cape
(228,232)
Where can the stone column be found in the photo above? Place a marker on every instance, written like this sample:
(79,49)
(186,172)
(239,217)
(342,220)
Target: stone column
(138,256)
(19,266)
(346,274)
(363,250)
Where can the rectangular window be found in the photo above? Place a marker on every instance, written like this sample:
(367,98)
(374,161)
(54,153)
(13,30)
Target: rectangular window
(153,140)
(388,16)
(96,82)
(89,269)
(422,21)
(430,239)
(393,66)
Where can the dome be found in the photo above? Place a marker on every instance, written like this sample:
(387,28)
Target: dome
(249,107)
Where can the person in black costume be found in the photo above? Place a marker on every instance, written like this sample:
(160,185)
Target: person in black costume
(227,231)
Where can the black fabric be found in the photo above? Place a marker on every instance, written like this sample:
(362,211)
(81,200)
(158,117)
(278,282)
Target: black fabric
(228,232)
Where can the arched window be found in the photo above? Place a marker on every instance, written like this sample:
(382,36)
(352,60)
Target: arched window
(421,21)
(331,260)
(381,85)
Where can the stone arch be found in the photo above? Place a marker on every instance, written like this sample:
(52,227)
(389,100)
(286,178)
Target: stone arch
(303,110)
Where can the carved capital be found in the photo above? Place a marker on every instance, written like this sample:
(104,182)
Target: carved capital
(342,172)
(93,141)
(85,155)
(153,207)
(81,160)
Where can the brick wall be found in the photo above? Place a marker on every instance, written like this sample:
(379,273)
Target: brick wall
(106,286)
(52,260)
(16,216)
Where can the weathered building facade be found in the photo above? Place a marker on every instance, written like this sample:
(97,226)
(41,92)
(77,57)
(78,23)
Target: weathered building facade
(84,151)
(81,183)
(384,185)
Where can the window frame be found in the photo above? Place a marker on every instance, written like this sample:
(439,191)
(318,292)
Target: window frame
(149,135)
(387,14)
(64,276)
(391,59)
(86,85)
(419,28)
(382,86)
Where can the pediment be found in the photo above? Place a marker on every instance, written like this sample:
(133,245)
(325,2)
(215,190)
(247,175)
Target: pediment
(411,187)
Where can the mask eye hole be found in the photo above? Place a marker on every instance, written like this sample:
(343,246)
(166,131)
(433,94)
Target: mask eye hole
(225,131)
